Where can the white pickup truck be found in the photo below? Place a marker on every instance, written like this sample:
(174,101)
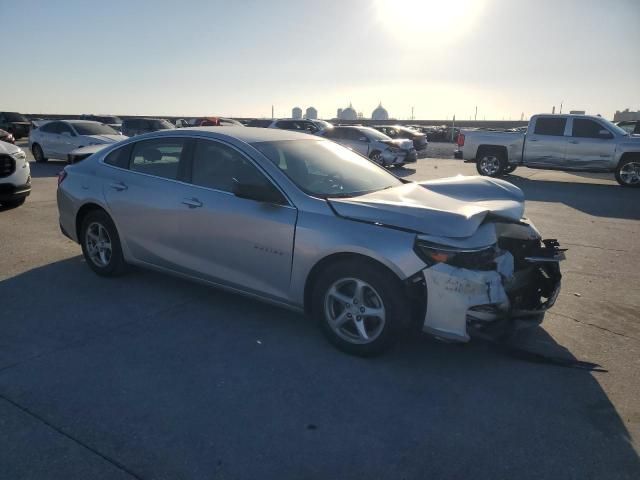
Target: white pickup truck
(556,142)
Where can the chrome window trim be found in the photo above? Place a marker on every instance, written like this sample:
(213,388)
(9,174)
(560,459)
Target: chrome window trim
(195,137)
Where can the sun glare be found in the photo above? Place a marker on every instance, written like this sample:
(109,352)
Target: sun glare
(435,21)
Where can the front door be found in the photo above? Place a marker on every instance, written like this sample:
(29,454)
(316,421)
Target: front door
(545,143)
(590,147)
(236,241)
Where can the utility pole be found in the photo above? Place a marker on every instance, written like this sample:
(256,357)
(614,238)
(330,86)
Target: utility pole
(272,117)
(453,127)
(561,107)
(475,117)
(412,116)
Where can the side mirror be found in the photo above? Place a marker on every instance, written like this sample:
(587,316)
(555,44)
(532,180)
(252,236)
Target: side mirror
(605,134)
(259,193)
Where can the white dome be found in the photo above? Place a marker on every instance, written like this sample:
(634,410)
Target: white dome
(349,113)
(380,113)
(311,113)
(296,112)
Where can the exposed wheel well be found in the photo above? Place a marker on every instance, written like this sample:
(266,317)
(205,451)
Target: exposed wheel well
(629,156)
(319,267)
(484,149)
(83,212)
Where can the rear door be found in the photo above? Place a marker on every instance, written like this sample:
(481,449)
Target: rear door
(227,239)
(47,137)
(546,143)
(144,192)
(591,146)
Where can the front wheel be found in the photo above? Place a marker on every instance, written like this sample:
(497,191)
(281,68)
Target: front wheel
(628,173)
(38,154)
(101,244)
(377,158)
(491,164)
(14,203)
(360,307)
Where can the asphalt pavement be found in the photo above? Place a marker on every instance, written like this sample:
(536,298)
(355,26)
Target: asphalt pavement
(153,377)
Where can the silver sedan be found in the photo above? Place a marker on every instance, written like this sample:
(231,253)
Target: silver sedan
(306,223)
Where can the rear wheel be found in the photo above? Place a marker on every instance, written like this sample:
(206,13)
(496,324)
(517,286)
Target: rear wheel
(360,307)
(491,163)
(628,173)
(38,154)
(101,244)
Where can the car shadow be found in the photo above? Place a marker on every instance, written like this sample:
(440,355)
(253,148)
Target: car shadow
(177,379)
(611,201)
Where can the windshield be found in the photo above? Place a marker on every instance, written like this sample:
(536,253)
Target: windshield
(108,119)
(614,127)
(162,124)
(91,128)
(374,134)
(325,169)
(15,117)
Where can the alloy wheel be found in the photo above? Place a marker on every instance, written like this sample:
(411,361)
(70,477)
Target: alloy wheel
(489,165)
(354,310)
(98,243)
(630,173)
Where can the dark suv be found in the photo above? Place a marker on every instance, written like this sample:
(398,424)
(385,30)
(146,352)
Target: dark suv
(138,126)
(396,131)
(15,123)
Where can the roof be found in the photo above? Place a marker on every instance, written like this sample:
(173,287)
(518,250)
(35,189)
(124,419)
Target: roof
(244,134)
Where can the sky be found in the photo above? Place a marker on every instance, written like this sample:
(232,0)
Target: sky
(238,58)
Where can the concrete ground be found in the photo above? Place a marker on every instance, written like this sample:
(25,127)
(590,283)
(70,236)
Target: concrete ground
(152,377)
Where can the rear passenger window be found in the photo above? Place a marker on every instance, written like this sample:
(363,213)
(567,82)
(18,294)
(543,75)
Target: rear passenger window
(550,126)
(160,157)
(218,166)
(119,157)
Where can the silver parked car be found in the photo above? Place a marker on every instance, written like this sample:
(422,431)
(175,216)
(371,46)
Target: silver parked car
(306,223)
(374,144)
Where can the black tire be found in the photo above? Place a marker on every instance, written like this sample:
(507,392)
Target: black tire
(14,203)
(115,265)
(625,180)
(510,168)
(494,158)
(388,289)
(376,157)
(38,154)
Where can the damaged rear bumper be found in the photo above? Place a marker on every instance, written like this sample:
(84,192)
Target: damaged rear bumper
(463,303)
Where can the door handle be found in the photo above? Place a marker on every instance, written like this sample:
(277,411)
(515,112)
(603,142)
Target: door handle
(192,202)
(575,142)
(118,186)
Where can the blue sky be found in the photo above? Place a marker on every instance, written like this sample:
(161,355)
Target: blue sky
(239,58)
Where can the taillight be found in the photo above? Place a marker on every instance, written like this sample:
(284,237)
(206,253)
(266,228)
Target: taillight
(61,176)
(461,140)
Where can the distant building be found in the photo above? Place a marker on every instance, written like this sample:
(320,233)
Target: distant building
(626,115)
(577,112)
(311,113)
(296,113)
(348,113)
(380,113)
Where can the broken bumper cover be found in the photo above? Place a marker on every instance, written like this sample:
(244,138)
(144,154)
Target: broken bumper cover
(462,301)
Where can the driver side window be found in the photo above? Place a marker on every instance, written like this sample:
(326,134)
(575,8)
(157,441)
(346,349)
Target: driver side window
(219,167)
